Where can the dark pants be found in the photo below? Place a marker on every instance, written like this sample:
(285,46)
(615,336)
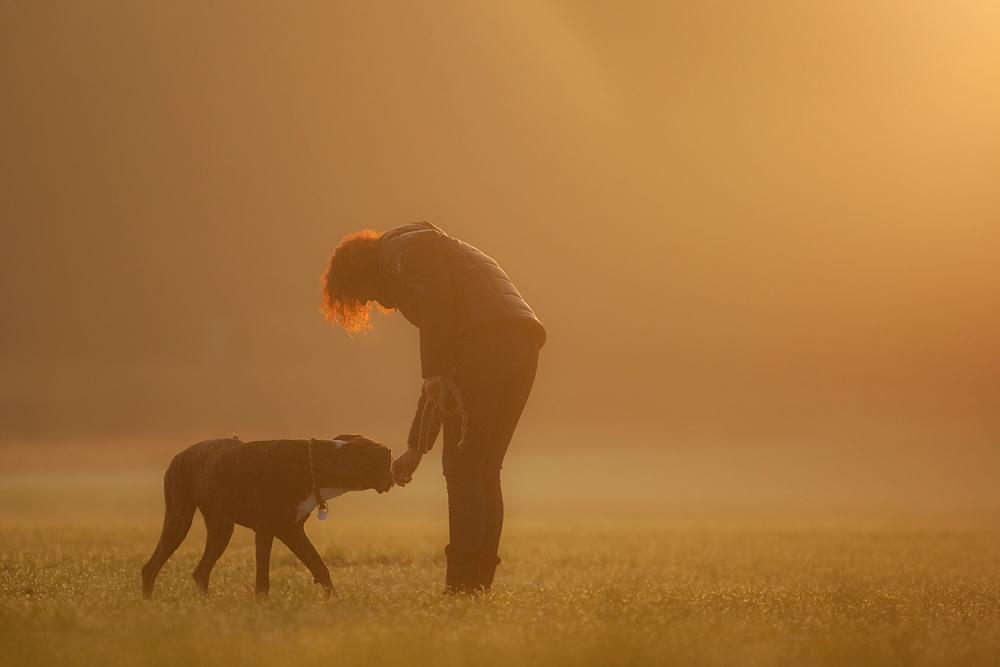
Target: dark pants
(494,371)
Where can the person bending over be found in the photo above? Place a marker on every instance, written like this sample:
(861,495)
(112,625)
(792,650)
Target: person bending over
(479,340)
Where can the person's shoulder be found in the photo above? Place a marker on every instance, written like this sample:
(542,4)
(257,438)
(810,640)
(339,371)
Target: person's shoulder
(413,230)
(400,245)
(408,238)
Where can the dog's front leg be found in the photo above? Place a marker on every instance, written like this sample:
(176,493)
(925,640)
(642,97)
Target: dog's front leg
(264,539)
(295,539)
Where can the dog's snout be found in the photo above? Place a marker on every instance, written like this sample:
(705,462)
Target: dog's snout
(387,483)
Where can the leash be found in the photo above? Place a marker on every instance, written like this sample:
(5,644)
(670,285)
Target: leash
(320,503)
(435,413)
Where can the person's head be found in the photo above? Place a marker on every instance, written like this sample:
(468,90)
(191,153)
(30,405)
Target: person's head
(349,283)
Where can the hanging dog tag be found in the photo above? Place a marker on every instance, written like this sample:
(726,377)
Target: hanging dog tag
(321,515)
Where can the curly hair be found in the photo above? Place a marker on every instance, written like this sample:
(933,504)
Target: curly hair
(352,270)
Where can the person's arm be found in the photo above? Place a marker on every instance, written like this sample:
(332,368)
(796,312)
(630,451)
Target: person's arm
(423,272)
(413,439)
(404,465)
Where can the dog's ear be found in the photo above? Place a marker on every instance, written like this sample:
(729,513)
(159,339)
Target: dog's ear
(348,436)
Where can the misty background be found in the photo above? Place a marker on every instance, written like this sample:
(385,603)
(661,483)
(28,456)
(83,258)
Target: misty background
(739,222)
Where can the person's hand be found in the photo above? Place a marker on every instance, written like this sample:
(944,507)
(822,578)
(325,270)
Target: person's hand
(404,466)
(432,388)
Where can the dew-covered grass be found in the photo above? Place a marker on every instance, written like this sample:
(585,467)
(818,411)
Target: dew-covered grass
(629,589)
(611,596)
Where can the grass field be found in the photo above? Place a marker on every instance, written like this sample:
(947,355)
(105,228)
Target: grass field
(585,582)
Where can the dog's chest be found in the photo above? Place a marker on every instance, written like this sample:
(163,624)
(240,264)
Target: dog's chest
(309,504)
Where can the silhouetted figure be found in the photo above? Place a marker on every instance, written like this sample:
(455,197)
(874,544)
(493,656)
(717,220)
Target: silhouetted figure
(477,336)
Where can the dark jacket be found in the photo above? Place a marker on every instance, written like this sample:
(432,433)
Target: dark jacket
(448,289)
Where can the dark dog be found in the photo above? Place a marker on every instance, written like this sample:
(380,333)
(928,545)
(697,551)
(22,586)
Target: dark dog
(270,486)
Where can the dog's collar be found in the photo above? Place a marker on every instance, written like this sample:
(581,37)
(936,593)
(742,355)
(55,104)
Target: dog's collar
(320,503)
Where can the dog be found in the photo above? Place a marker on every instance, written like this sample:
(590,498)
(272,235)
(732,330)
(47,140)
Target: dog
(271,486)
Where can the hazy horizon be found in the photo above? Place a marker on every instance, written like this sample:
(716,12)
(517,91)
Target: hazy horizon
(735,221)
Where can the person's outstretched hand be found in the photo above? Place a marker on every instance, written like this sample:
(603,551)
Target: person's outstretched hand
(404,465)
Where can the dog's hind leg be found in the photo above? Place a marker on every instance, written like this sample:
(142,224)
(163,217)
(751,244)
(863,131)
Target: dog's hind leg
(296,540)
(220,531)
(180,507)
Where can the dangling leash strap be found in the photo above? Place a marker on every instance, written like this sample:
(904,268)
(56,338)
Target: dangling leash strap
(449,406)
(320,503)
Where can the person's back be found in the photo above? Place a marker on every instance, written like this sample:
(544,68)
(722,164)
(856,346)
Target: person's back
(484,294)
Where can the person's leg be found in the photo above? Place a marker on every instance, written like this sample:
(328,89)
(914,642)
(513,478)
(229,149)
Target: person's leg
(479,379)
(494,372)
(510,405)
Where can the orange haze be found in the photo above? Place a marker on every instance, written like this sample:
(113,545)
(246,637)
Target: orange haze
(734,218)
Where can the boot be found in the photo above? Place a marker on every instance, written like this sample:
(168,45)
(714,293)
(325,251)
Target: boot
(487,569)
(463,571)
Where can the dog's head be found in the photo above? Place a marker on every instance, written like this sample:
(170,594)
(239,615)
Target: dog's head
(366,463)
